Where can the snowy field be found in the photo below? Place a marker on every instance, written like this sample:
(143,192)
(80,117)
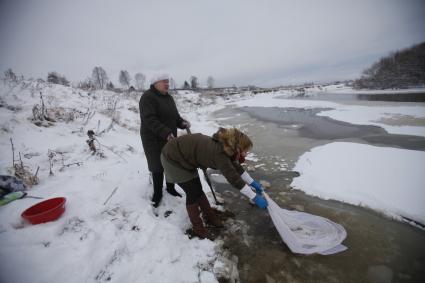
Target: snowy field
(118,238)
(120,241)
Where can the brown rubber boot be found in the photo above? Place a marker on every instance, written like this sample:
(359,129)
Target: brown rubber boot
(197,224)
(208,212)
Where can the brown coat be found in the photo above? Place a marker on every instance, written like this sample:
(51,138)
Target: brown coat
(200,151)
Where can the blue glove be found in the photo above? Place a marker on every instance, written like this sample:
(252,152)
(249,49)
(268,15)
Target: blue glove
(260,201)
(257,186)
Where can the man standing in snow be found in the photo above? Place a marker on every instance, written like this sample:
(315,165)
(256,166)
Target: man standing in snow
(159,121)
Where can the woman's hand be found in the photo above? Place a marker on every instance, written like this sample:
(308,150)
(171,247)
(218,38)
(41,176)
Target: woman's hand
(260,201)
(257,186)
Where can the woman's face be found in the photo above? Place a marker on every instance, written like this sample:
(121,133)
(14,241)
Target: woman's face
(244,153)
(241,156)
(162,86)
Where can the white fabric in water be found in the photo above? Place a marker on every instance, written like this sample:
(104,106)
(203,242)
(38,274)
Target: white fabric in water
(305,233)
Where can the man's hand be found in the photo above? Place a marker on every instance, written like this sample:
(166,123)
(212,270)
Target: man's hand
(186,124)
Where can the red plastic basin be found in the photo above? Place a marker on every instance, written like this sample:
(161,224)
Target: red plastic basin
(45,211)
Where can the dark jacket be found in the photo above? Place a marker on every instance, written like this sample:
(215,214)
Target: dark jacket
(159,117)
(200,151)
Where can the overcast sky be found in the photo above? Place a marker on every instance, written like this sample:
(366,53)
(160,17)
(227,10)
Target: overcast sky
(242,42)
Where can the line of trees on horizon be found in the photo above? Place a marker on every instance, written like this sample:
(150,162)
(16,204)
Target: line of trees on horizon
(401,69)
(99,79)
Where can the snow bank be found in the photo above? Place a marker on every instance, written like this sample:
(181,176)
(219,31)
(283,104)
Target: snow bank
(342,88)
(385,179)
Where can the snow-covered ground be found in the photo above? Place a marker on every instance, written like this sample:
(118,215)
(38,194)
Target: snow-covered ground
(120,241)
(117,238)
(386,179)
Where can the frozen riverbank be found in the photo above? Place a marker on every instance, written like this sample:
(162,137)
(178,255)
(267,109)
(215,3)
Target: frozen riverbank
(362,181)
(377,245)
(372,114)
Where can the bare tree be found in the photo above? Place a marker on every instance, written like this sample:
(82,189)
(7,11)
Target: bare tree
(140,81)
(110,86)
(124,78)
(186,85)
(55,78)
(194,82)
(87,84)
(64,81)
(10,75)
(99,78)
(210,82)
(172,83)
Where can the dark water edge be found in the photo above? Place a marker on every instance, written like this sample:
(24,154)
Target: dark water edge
(379,249)
(388,97)
(401,97)
(321,127)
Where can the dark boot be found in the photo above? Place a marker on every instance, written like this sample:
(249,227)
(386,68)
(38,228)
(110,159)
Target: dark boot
(158,179)
(172,190)
(197,224)
(208,212)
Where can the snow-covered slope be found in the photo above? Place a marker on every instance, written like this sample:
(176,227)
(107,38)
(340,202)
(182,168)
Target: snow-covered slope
(118,241)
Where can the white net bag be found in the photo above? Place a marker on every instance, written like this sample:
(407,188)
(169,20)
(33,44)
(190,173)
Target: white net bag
(305,233)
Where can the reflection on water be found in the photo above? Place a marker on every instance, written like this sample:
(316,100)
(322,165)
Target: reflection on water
(406,97)
(310,125)
(321,127)
(377,246)
(380,249)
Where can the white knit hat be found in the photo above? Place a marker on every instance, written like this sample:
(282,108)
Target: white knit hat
(159,77)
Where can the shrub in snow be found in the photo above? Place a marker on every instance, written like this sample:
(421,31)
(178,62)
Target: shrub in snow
(10,75)
(22,172)
(55,78)
(39,113)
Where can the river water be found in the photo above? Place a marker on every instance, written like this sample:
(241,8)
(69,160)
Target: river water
(379,249)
